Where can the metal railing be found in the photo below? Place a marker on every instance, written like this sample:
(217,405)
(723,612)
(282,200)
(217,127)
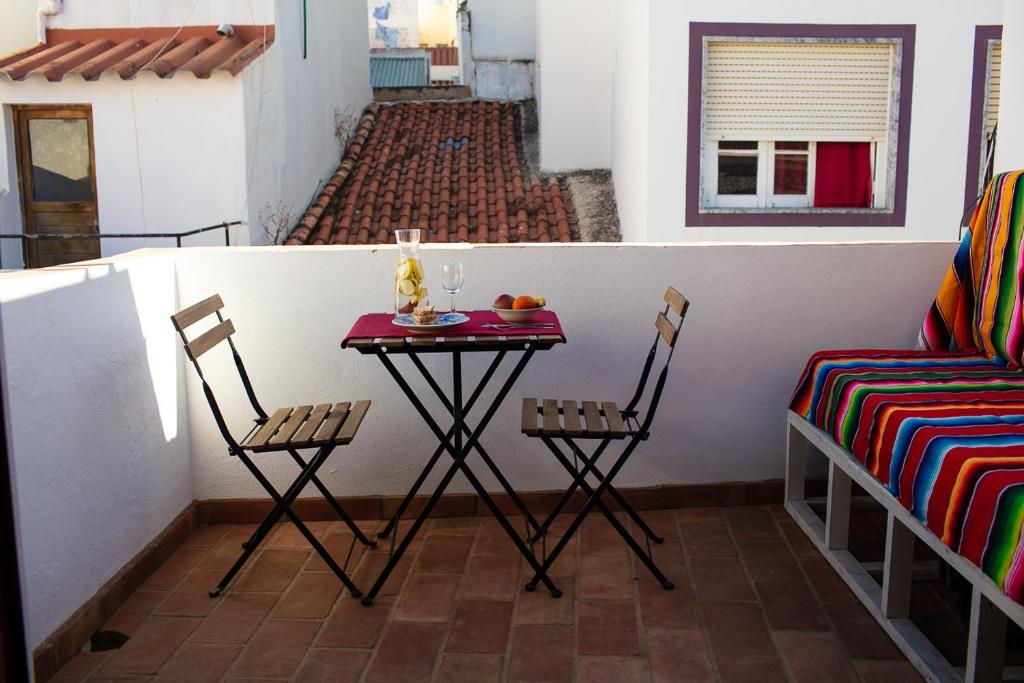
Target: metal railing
(176,236)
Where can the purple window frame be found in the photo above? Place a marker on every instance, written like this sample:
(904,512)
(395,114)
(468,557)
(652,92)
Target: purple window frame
(695,218)
(982,36)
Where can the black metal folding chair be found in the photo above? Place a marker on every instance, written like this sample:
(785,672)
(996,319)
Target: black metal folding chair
(288,430)
(568,421)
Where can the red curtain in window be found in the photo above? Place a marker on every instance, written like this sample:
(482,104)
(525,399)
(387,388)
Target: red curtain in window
(842,177)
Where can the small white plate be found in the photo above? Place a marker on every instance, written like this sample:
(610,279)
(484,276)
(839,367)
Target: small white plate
(444,321)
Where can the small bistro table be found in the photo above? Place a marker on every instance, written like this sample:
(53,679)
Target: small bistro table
(374,334)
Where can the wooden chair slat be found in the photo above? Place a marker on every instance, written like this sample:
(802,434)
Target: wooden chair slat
(668,332)
(207,340)
(529,424)
(455,340)
(352,422)
(291,425)
(676,301)
(571,418)
(552,425)
(331,425)
(263,434)
(486,339)
(549,338)
(391,342)
(360,343)
(313,422)
(423,341)
(616,427)
(592,414)
(196,312)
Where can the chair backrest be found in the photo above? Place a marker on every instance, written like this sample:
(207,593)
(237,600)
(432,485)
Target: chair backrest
(668,334)
(202,343)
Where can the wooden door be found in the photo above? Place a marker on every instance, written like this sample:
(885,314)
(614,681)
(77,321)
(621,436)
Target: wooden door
(57,176)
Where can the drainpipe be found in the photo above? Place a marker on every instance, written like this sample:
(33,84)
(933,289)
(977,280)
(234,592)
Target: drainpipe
(47,8)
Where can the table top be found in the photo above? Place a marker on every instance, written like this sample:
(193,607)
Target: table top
(375,331)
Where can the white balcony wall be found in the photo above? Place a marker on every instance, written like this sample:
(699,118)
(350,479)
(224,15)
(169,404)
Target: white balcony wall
(19,28)
(143,13)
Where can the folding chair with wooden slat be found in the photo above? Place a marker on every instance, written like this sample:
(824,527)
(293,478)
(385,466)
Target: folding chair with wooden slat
(605,422)
(289,430)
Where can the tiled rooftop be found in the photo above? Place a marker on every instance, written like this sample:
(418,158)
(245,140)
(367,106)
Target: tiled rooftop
(92,52)
(753,601)
(444,56)
(456,170)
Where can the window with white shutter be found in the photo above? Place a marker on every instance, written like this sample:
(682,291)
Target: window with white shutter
(995,61)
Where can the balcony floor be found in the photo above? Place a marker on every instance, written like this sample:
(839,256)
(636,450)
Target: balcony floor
(753,601)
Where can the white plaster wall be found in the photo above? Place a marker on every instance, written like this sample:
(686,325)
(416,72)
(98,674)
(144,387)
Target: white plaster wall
(97,432)
(18,29)
(753,323)
(504,29)
(170,155)
(938,136)
(404,16)
(100,13)
(290,107)
(574,100)
(1010,138)
(630,115)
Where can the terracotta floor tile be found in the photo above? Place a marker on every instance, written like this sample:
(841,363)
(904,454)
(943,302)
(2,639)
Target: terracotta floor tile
(287,535)
(152,644)
(677,655)
(192,596)
(770,561)
(660,608)
(492,577)
(746,669)
(101,678)
(798,541)
(444,554)
(707,538)
(605,577)
(198,663)
(813,657)
(206,536)
(608,628)
(353,625)
(464,526)
(598,537)
(480,626)
(276,649)
(736,629)
(538,607)
(80,666)
(337,543)
(699,514)
(471,669)
(130,615)
(883,671)
(719,579)
(323,665)
(235,618)
(428,597)
(174,570)
(492,540)
(594,669)
(371,566)
(541,653)
(863,637)
(407,653)
(311,596)
(825,581)
(752,523)
(272,571)
(791,606)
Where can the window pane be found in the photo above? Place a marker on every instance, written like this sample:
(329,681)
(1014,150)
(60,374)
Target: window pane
(737,175)
(60,160)
(790,173)
(731,144)
(794,146)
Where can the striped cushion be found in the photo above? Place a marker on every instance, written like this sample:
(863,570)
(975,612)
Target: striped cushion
(943,432)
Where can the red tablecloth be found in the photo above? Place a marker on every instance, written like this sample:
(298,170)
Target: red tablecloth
(372,325)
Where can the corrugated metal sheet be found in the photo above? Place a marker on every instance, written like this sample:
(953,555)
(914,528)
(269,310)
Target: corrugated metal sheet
(797,91)
(90,53)
(399,72)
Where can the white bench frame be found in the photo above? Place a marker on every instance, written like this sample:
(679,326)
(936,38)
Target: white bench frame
(889,602)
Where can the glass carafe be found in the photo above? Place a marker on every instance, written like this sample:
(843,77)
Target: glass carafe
(410,288)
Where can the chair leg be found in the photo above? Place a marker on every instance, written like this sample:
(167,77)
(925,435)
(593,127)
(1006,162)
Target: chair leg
(564,500)
(333,502)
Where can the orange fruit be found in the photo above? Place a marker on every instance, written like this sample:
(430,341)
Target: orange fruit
(524,301)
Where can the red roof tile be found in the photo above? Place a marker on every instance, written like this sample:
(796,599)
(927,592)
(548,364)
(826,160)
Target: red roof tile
(92,52)
(452,169)
(444,56)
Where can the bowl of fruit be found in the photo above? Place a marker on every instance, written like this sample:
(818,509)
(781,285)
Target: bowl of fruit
(518,309)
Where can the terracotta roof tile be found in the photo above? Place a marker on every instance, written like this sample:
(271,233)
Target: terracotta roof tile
(453,169)
(90,53)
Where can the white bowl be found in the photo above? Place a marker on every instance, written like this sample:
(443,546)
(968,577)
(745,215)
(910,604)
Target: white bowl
(523,315)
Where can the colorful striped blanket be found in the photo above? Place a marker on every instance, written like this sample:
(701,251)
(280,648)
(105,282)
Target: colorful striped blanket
(942,428)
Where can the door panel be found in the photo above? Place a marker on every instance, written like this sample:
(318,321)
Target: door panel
(56,171)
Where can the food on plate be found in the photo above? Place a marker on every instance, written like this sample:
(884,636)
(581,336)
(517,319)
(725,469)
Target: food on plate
(504,301)
(523,302)
(424,315)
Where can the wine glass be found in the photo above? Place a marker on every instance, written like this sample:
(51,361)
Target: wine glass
(451,280)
